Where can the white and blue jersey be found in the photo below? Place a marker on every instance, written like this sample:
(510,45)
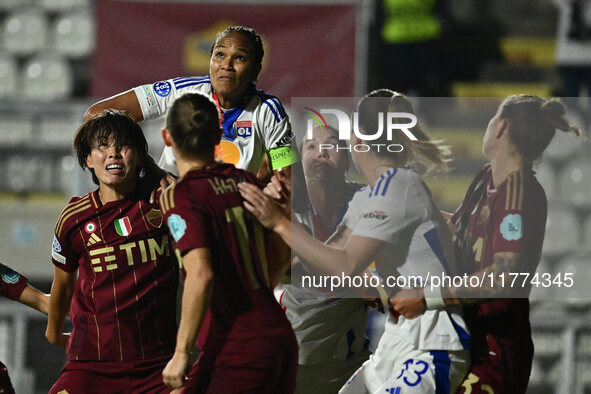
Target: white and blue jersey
(430,353)
(257,126)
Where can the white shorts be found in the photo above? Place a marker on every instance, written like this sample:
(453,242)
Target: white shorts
(398,367)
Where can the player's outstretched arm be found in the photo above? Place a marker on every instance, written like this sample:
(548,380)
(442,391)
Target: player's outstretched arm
(60,299)
(126,101)
(357,254)
(196,298)
(35,299)
(494,282)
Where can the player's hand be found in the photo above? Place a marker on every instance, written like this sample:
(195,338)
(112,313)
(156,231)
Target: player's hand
(174,374)
(280,190)
(410,303)
(58,339)
(164,183)
(260,205)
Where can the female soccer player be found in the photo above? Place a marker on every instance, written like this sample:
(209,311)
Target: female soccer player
(254,122)
(395,223)
(330,329)
(246,342)
(16,287)
(499,230)
(114,270)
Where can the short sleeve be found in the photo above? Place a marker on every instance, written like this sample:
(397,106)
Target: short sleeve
(62,255)
(12,284)
(188,222)
(277,134)
(156,98)
(519,227)
(353,209)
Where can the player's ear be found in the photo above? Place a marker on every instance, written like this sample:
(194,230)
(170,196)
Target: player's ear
(502,128)
(89,162)
(166,137)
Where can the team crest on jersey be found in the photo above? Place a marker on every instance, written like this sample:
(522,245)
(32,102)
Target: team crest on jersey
(243,128)
(177,226)
(484,215)
(9,276)
(56,246)
(162,88)
(512,227)
(123,226)
(90,228)
(154,217)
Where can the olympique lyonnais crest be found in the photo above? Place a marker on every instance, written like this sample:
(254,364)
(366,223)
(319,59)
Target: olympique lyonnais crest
(154,217)
(123,226)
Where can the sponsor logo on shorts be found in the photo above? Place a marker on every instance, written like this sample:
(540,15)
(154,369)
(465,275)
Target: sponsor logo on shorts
(177,226)
(512,227)
(55,246)
(162,88)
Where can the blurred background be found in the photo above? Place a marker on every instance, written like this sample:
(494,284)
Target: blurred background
(59,56)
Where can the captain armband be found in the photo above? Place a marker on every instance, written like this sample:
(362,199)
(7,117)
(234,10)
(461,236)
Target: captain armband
(283,156)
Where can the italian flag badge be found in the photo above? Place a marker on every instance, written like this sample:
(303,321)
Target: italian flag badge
(123,226)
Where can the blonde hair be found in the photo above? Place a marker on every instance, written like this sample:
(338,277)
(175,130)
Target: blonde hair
(425,152)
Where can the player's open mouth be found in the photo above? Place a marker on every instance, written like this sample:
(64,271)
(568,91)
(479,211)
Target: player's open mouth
(115,168)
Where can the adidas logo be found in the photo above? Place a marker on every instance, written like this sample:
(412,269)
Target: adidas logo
(93,239)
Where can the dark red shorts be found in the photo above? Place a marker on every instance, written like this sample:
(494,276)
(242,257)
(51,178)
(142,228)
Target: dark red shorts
(275,372)
(505,370)
(5,383)
(91,377)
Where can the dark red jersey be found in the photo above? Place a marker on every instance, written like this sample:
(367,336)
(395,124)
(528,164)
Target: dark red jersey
(12,283)
(510,218)
(123,308)
(204,210)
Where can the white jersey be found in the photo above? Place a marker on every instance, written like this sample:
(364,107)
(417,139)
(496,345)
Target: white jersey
(256,127)
(399,211)
(326,328)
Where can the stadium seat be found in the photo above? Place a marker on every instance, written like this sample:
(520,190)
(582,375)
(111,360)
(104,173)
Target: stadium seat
(15,129)
(541,293)
(7,5)
(574,182)
(58,131)
(587,233)
(8,75)
(562,229)
(565,145)
(537,376)
(578,268)
(24,31)
(47,77)
(547,342)
(545,174)
(73,34)
(22,173)
(63,5)
(584,343)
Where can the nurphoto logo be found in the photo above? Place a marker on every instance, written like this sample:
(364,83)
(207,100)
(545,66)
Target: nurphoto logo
(386,124)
